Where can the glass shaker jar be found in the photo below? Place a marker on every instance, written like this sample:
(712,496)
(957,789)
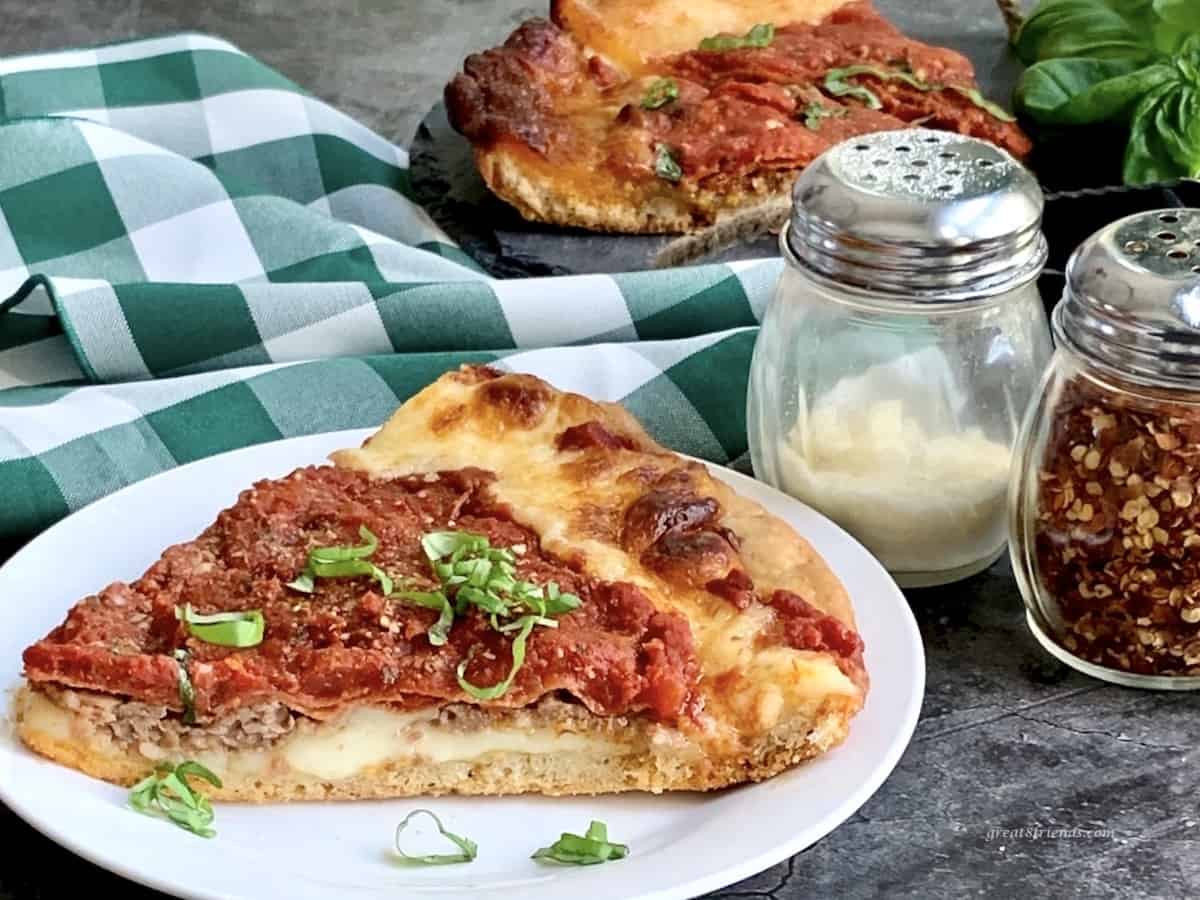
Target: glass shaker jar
(902,346)
(1106,486)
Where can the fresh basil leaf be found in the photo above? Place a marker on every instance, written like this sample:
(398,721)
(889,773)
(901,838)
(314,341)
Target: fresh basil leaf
(557,602)
(187,693)
(527,624)
(166,792)
(1164,143)
(474,574)
(1178,123)
(485,600)
(1100,29)
(665,165)
(836,84)
(477,571)
(590,849)
(518,624)
(428,599)
(661,92)
(1180,14)
(761,35)
(1087,91)
(501,583)
(501,556)
(467,848)
(1187,61)
(141,795)
(339,554)
(439,631)
(992,109)
(1147,159)
(303,582)
(190,767)
(438,544)
(226,629)
(815,113)
(881,73)
(350,568)
(343,561)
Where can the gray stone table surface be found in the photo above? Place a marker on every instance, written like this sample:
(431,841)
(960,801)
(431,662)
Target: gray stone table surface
(1009,740)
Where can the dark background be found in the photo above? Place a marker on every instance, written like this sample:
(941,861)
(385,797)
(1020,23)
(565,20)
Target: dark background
(1008,738)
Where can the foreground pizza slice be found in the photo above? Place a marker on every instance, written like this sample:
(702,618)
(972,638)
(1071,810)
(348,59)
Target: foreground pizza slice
(507,589)
(617,115)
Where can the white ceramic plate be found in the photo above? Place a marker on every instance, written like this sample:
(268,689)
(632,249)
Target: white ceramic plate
(680,845)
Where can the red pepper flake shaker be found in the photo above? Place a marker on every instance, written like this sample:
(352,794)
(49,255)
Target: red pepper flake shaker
(1105,512)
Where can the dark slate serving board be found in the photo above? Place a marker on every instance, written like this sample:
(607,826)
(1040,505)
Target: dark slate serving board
(445,181)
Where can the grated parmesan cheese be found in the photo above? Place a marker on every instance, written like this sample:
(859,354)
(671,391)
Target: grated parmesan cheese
(886,458)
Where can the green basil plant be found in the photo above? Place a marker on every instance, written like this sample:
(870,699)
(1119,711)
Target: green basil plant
(1129,62)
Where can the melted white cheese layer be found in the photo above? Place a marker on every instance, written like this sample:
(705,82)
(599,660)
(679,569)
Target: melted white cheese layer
(370,736)
(363,738)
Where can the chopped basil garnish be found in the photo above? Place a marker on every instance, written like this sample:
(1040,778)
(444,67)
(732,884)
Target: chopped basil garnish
(661,92)
(440,630)
(594,847)
(480,575)
(815,113)
(467,847)
(525,624)
(986,105)
(665,165)
(187,693)
(166,792)
(483,576)
(228,629)
(837,85)
(469,572)
(438,544)
(759,36)
(303,582)
(342,562)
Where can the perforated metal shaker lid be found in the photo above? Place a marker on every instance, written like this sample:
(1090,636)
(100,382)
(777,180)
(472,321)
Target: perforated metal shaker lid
(1133,296)
(926,215)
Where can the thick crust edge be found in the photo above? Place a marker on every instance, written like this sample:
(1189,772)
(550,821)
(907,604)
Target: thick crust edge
(542,194)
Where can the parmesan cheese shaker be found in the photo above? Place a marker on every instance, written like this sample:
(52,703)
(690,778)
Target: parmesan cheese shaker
(903,343)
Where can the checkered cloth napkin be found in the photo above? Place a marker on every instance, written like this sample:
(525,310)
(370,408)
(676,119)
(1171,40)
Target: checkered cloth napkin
(197,255)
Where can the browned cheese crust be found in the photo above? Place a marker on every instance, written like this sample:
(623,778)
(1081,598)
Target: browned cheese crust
(589,480)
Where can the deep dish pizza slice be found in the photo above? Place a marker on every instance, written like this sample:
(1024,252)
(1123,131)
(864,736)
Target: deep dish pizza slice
(618,115)
(507,589)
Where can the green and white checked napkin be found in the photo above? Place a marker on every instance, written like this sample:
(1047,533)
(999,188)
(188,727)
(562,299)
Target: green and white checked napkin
(197,255)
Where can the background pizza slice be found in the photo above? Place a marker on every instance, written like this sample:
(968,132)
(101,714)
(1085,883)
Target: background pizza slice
(664,117)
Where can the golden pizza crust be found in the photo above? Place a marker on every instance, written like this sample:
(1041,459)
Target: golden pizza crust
(599,200)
